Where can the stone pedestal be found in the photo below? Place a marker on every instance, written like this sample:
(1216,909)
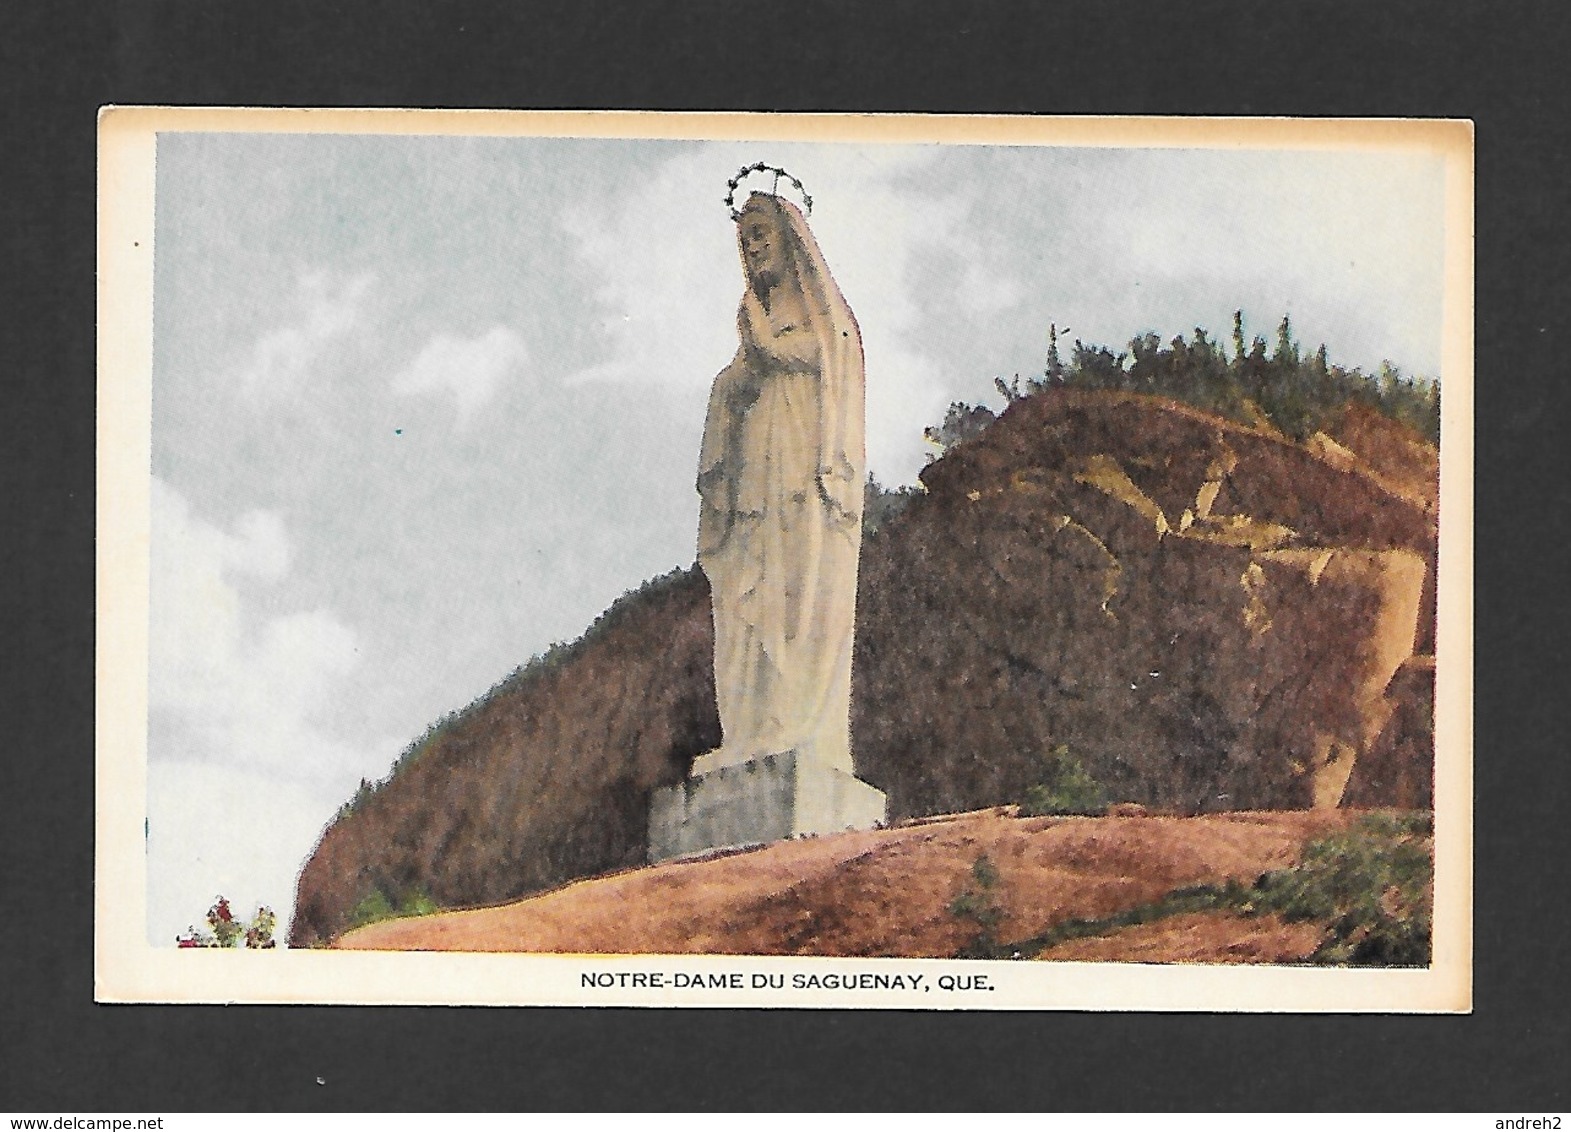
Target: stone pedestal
(769,798)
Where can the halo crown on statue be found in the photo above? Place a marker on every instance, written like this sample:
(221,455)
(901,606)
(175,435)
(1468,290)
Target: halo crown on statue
(761,167)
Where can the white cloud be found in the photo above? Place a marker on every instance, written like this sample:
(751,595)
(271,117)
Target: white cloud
(467,368)
(225,831)
(240,768)
(196,618)
(242,686)
(259,547)
(984,290)
(665,313)
(1347,243)
(322,309)
(670,281)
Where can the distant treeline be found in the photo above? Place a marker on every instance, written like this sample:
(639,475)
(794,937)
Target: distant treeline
(1298,395)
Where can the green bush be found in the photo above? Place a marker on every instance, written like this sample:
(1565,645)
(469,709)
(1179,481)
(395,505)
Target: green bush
(1066,788)
(977,903)
(375,906)
(1370,885)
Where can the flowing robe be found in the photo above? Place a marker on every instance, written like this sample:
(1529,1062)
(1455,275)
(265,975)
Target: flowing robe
(780,527)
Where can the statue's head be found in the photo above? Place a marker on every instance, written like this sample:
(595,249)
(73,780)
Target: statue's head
(762,231)
(780,255)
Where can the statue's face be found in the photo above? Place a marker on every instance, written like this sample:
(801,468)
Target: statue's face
(762,251)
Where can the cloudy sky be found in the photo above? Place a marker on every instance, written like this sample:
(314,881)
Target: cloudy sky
(424,405)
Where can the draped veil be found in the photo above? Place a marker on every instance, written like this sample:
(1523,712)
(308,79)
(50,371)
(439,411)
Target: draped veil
(780,478)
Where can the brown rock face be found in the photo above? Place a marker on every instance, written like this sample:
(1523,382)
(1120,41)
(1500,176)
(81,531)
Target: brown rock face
(1209,616)
(1394,455)
(1397,768)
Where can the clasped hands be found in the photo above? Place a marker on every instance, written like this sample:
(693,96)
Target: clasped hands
(827,480)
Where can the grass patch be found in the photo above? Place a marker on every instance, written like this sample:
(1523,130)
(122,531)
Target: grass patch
(978,902)
(1200,898)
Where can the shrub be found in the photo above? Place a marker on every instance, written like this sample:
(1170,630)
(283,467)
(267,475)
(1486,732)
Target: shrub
(976,902)
(881,505)
(1066,788)
(1371,885)
(375,906)
(257,933)
(961,423)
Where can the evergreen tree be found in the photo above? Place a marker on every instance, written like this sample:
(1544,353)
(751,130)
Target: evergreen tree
(1054,370)
(961,422)
(1147,353)
(1286,348)
(1095,367)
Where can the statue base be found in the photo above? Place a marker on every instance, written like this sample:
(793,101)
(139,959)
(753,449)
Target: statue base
(769,798)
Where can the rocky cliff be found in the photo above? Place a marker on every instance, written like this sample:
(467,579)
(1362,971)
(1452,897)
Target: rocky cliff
(1210,616)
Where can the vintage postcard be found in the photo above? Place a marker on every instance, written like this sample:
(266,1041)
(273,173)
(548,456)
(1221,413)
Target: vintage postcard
(788,561)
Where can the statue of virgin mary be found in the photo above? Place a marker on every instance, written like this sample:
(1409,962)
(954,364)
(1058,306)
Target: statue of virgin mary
(780,477)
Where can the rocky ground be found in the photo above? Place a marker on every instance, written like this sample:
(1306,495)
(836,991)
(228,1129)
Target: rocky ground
(896,892)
